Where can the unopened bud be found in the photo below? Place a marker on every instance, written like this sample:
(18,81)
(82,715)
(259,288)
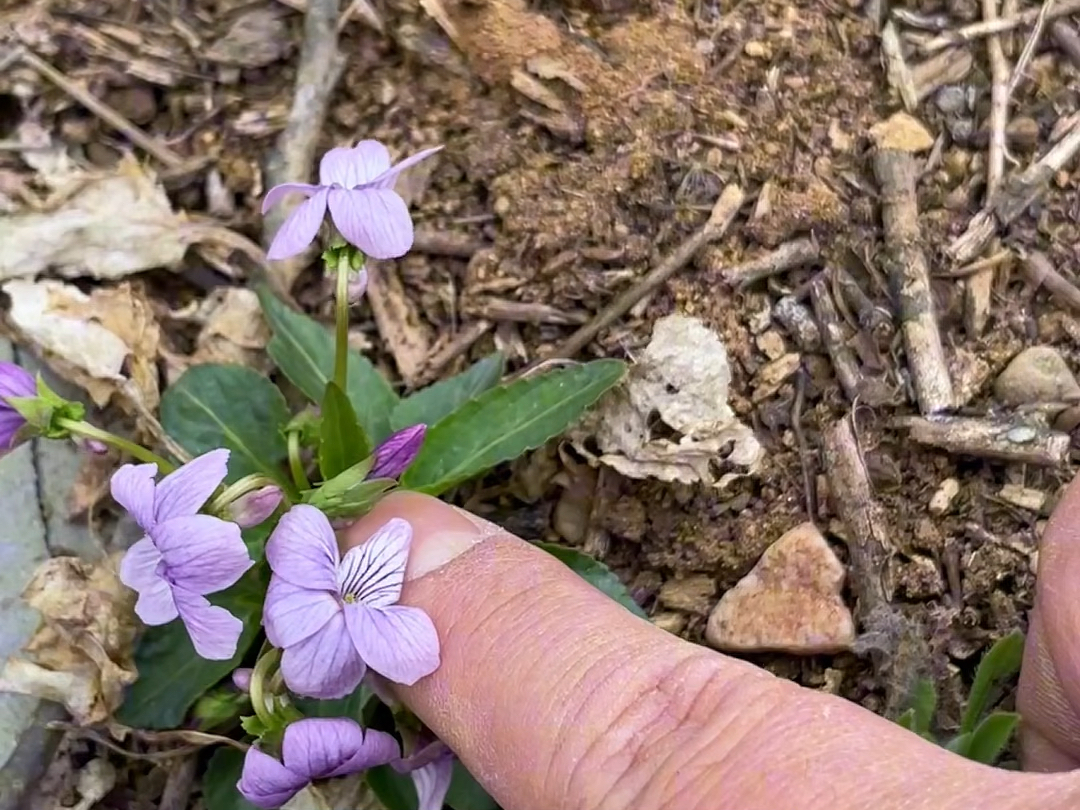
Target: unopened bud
(252,508)
(92,446)
(241,678)
(394,455)
(357,285)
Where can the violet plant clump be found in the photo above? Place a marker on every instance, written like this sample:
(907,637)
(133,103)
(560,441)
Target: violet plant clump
(258,625)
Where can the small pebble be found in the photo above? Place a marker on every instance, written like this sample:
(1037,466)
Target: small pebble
(1038,374)
(792,601)
(943,498)
(694,594)
(951,99)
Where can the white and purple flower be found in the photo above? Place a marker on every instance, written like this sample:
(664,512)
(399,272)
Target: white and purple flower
(357,185)
(183,556)
(311,749)
(333,616)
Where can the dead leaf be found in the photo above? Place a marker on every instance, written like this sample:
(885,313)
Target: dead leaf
(105,225)
(91,340)
(682,377)
(96,778)
(91,483)
(81,655)
(232,330)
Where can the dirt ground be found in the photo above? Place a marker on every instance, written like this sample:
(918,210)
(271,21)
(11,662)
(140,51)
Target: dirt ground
(585,140)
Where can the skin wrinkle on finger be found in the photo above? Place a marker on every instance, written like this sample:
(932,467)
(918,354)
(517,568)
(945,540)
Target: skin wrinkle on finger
(500,703)
(1050,727)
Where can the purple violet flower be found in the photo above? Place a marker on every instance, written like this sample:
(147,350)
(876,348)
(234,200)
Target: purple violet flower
(15,381)
(394,455)
(335,616)
(183,555)
(314,748)
(431,769)
(252,508)
(358,187)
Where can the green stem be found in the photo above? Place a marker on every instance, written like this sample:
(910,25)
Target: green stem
(341,344)
(296,466)
(88,431)
(258,677)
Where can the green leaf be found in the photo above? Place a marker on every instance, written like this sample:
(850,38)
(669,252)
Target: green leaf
(466,793)
(172,676)
(504,422)
(906,720)
(991,736)
(342,442)
(595,573)
(213,406)
(923,702)
(395,790)
(429,405)
(1000,662)
(304,351)
(220,778)
(960,744)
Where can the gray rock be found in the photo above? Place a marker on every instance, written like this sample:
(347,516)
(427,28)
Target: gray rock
(34,482)
(951,99)
(1038,374)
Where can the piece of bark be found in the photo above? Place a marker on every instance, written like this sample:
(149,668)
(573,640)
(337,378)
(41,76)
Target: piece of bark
(1013,441)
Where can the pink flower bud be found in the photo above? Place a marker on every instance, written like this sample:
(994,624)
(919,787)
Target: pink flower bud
(357,286)
(241,678)
(254,507)
(92,446)
(394,455)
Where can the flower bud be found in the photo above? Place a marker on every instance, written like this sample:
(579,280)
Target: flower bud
(92,446)
(252,508)
(394,455)
(357,285)
(241,678)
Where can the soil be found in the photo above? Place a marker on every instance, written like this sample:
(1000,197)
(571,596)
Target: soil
(584,141)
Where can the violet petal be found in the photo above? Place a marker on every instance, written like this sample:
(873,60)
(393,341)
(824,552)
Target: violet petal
(138,568)
(16,381)
(279,192)
(399,642)
(184,491)
(389,177)
(156,604)
(353,167)
(300,228)
(132,487)
(397,452)
(373,573)
(325,665)
(214,631)
(432,782)
(203,554)
(303,549)
(292,613)
(265,782)
(375,220)
(327,747)
(378,748)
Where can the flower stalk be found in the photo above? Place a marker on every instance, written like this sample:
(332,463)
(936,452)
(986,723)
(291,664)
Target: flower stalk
(88,431)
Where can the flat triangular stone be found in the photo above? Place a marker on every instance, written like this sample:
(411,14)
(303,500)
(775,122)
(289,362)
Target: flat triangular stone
(790,602)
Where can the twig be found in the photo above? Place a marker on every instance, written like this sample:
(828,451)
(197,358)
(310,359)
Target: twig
(1040,272)
(446,243)
(398,320)
(723,214)
(896,68)
(832,335)
(809,488)
(886,631)
(970,33)
(1015,441)
(1017,193)
(909,276)
(948,67)
(796,253)
(499,309)
(872,318)
(1067,40)
(104,111)
(178,784)
(978,287)
(320,68)
(1029,47)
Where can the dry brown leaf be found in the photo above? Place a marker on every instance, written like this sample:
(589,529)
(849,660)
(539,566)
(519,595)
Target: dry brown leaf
(91,340)
(91,484)
(232,330)
(107,225)
(81,655)
(682,377)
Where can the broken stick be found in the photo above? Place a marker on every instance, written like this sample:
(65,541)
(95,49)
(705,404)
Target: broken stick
(1015,441)
(1040,272)
(843,358)
(1017,193)
(788,256)
(723,214)
(909,276)
(896,641)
